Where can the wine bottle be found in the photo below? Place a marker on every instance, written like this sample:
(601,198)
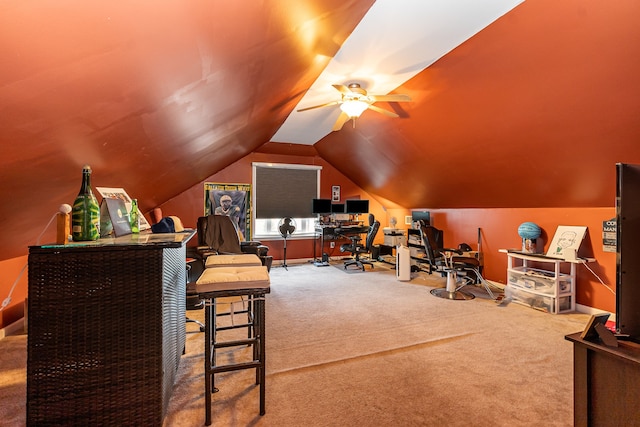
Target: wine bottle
(134,216)
(85,213)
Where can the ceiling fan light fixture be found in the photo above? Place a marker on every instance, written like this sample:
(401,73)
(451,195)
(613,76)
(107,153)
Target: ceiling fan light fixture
(354,108)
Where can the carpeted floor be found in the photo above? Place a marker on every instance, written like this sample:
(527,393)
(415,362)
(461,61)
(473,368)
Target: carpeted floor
(365,349)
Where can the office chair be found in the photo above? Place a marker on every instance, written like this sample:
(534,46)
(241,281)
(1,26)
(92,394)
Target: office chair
(357,248)
(217,235)
(460,271)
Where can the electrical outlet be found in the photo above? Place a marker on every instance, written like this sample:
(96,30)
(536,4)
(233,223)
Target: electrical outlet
(332,245)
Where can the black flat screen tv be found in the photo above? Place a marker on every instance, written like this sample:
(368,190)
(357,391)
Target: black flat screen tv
(337,208)
(421,215)
(628,251)
(356,206)
(321,206)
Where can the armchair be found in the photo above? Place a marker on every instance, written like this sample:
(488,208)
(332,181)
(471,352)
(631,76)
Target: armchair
(357,248)
(218,235)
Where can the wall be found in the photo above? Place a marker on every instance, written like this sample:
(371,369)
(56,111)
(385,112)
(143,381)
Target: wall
(498,226)
(11,269)
(189,205)
(499,231)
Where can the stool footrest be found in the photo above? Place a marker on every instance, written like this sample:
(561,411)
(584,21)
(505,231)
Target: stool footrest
(235,367)
(235,343)
(227,328)
(228,313)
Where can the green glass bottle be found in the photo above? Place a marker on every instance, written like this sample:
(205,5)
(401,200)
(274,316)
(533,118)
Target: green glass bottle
(134,216)
(85,214)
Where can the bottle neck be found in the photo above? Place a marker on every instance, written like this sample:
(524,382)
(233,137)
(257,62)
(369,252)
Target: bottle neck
(85,188)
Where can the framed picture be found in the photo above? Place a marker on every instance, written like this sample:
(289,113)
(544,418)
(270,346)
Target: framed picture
(335,193)
(590,331)
(119,193)
(566,242)
(232,200)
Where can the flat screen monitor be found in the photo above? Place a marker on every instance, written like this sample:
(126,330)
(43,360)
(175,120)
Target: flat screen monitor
(628,250)
(321,206)
(337,208)
(421,215)
(356,206)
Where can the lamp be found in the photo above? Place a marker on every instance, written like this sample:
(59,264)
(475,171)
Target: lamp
(354,107)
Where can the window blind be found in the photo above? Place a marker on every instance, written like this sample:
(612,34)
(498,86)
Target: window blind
(285,190)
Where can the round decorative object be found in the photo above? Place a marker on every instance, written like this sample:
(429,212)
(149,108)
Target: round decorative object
(529,230)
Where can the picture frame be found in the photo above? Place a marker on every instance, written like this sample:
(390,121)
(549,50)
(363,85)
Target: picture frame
(566,242)
(120,193)
(114,217)
(590,332)
(237,205)
(335,193)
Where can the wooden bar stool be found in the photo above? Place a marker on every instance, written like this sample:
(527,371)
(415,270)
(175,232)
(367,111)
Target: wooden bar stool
(247,282)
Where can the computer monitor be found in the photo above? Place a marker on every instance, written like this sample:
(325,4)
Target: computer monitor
(421,215)
(356,206)
(321,206)
(337,208)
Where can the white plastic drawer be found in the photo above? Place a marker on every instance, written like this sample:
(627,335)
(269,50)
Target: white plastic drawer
(538,280)
(537,301)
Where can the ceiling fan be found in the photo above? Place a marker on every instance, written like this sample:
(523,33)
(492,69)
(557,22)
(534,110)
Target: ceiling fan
(355,100)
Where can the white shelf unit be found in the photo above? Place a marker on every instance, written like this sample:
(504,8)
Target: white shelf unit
(538,282)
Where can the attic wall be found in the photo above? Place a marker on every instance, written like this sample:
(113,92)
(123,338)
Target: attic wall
(499,226)
(460,225)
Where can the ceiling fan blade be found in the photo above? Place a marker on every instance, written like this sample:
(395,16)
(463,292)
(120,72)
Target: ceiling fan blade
(383,111)
(342,89)
(319,106)
(391,98)
(342,119)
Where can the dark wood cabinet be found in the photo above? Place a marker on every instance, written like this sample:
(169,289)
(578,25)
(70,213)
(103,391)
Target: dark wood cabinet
(605,385)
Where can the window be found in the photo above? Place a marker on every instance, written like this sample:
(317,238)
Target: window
(284,190)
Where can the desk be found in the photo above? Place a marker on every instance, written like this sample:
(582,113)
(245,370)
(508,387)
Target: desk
(106,329)
(605,383)
(334,232)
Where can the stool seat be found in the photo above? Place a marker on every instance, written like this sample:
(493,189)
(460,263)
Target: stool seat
(235,260)
(226,279)
(253,283)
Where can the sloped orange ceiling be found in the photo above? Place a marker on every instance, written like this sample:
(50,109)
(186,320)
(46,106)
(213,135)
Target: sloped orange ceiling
(534,111)
(155,96)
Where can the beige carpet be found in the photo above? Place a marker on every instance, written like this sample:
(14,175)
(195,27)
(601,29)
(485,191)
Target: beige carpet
(365,349)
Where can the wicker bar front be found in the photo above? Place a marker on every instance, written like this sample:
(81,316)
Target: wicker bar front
(106,332)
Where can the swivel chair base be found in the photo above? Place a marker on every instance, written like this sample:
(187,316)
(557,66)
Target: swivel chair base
(455,295)
(360,263)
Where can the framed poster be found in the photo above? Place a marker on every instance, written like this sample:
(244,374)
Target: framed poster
(335,193)
(233,200)
(566,242)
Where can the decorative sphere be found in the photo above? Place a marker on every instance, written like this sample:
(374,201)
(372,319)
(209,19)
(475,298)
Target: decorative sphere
(529,230)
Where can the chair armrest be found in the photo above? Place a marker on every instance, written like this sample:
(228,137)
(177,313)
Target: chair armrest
(252,248)
(205,251)
(444,250)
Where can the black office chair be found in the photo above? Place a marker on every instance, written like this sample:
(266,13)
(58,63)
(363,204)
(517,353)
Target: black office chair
(217,235)
(357,248)
(460,270)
